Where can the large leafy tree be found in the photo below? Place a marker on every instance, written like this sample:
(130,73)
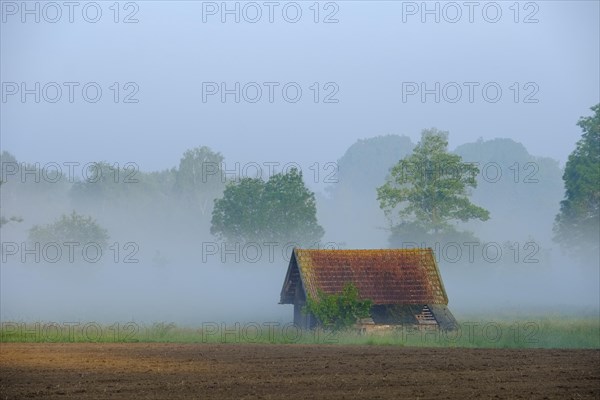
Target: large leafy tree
(577,226)
(281,209)
(429,191)
(239,215)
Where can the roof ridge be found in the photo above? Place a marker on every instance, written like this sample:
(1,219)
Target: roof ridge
(387,276)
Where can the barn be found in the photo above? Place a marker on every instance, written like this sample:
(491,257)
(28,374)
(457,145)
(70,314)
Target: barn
(404,285)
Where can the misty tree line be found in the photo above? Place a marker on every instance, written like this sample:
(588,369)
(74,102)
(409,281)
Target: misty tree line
(419,193)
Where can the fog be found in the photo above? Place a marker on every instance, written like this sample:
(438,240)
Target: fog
(162,262)
(164,265)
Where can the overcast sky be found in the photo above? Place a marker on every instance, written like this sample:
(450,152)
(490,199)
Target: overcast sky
(374,61)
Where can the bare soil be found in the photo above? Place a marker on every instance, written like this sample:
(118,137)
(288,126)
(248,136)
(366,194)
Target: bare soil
(201,371)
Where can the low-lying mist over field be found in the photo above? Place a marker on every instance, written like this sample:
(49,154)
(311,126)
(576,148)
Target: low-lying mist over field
(161,263)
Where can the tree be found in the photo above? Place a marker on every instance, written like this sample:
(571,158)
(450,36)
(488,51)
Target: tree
(70,228)
(338,311)
(199,180)
(7,159)
(353,182)
(430,187)
(200,177)
(239,214)
(290,209)
(577,226)
(521,191)
(105,186)
(4,220)
(364,166)
(281,209)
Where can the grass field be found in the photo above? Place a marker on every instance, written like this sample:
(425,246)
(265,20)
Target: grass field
(525,332)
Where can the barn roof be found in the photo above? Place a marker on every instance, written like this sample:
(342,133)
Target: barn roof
(396,276)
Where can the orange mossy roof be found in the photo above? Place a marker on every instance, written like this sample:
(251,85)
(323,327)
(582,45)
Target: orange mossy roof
(396,276)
